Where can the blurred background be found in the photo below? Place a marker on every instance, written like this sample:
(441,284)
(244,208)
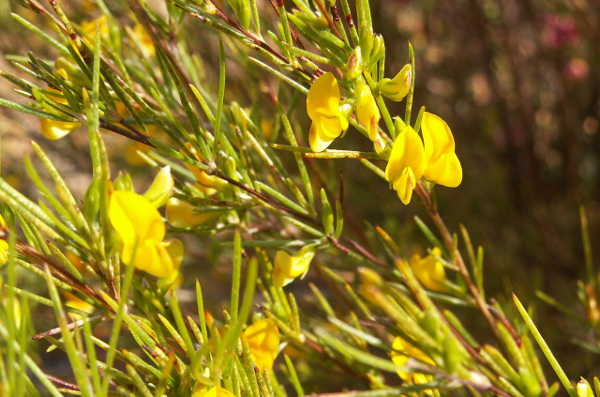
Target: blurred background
(517,81)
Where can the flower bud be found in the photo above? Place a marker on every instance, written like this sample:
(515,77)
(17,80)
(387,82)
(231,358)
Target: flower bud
(584,389)
(397,88)
(354,64)
(161,188)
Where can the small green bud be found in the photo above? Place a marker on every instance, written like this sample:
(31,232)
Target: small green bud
(161,188)
(584,389)
(398,87)
(354,65)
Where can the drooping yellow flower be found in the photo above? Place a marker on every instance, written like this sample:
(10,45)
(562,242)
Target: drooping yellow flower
(288,267)
(397,88)
(400,356)
(323,107)
(182,214)
(443,166)
(429,270)
(262,338)
(406,163)
(144,40)
(367,111)
(216,391)
(142,231)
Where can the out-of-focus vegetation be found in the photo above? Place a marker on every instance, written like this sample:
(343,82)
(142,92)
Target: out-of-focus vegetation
(394,300)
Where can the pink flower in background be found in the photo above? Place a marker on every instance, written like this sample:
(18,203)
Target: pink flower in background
(559,30)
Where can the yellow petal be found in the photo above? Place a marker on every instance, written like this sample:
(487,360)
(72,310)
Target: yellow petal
(144,40)
(53,129)
(446,171)
(135,218)
(407,151)
(437,137)
(98,25)
(288,267)
(317,140)
(405,185)
(182,214)
(262,338)
(216,391)
(161,188)
(3,252)
(323,97)
(367,111)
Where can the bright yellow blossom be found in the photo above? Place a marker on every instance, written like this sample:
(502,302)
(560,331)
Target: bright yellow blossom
(288,267)
(323,107)
(443,166)
(433,158)
(141,229)
(74,302)
(406,164)
(262,338)
(429,270)
(182,214)
(397,88)
(367,112)
(400,356)
(216,391)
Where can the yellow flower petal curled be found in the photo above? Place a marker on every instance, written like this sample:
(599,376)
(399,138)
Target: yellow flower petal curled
(406,163)
(443,165)
(216,391)
(262,338)
(54,129)
(397,88)
(367,111)
(323,108)
(3,252)
(288,267)
(182,214)
(141,229)
(402,351)
(430,270)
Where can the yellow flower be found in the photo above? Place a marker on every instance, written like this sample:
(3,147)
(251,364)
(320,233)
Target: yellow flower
(144,40)
(216,391)
(367,111)
(141,229)
(429,270)
(397,88)
(406,164)
(88,29)
(323,107)
(443,166)
(288,267)
(262,338)
(402,351)
(182,214)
